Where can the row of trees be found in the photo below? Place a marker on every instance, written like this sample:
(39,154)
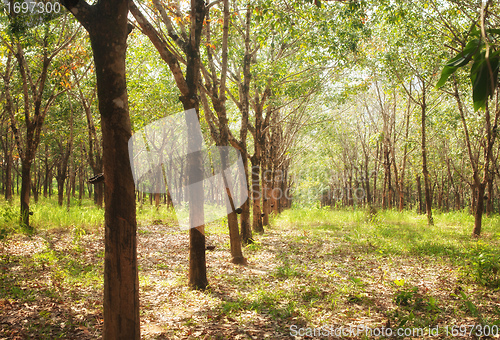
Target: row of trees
(264,58)
(420,125)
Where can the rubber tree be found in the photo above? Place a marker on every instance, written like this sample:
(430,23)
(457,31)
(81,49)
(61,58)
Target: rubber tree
(188,41)
(107,24)
(215,88)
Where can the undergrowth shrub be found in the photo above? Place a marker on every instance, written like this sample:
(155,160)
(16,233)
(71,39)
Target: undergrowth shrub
(485,269)
(7,218)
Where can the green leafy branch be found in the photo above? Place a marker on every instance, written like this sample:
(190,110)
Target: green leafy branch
(484,70)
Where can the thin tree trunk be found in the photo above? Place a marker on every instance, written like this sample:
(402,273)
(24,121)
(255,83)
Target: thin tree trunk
(419,195)
(425,171)
(256,197)
(8,176)
(246,230)
(25,193)
(489,197)
(479,209)
(405,155)
(35,181)
(60,189)
(47,171)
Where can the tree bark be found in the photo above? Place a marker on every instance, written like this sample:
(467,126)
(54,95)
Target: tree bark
(197,260)
(62,171)
(246,230)
(489,197)
(8,176)
(25,193)
(419,195)
(6,145)
(479,209)
(266,193)
(232,219)
(121,280)
(47,172)
(106,22)
(256,197)
(405,155)
(425,171)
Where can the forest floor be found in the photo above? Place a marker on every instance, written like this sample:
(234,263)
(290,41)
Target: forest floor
(312,271)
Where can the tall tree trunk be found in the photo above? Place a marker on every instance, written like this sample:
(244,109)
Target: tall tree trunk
(232,218)
(25,193)
(243,105)
(188,86)
(366,182)
(256,196)
(60,189)
(68,191)
(266,202)
(121,280)
(425,171)
(7,146)
(73,181)
(419,195)
(47,171)
(405,155)
(8,176)
(81,186)
(197,258)
(479,209)
(246,230)
(489,197)
(374,195)
(62,170)
(106,22)
(34,182)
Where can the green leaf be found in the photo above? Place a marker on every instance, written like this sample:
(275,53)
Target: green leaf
(445,74)
(460,60)
(493,31)
(481,79)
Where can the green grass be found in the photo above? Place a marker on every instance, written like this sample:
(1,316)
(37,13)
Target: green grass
(393,232)
(147,214)
(47,214)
